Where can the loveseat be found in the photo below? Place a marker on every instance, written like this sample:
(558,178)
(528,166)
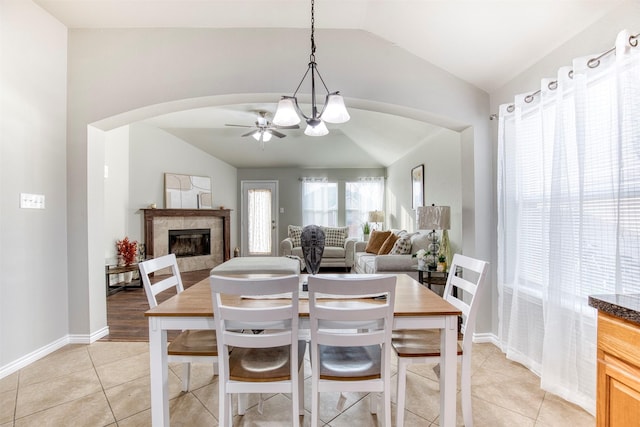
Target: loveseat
(398,259)
(338,247)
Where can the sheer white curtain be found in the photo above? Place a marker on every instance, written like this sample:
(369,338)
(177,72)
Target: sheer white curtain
(569,215)
(362,197)
(319,202)
(259,224)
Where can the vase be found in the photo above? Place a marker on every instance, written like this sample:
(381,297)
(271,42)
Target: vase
(442,266)
(366,237)
(421,264)
(127,276)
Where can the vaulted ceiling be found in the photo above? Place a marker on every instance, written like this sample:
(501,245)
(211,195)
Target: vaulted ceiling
(484,42)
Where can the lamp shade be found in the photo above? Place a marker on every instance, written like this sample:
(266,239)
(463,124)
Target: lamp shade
(318,130)
(334,110)
(433,217)
(376,216)
(286,114)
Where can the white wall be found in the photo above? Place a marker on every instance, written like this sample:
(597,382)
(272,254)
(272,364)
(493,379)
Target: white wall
(154,152)
(116,190)
(33,243)
(441,156)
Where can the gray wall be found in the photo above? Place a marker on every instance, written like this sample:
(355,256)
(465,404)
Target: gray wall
(33,257)
(441,156)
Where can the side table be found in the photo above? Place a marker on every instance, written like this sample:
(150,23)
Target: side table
(110,270)
(433,277)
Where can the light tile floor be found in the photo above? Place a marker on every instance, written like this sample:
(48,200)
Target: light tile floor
(107,384)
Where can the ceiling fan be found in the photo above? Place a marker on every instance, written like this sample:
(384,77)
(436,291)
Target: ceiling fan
(264,129)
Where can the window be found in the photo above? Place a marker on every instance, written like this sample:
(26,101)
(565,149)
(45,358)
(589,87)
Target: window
(322,204)
(362,197)
(319,202)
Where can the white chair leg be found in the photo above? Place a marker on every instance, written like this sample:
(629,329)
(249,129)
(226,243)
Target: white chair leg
(186,376)
(401,390)
(315,404)
(215,368)
(465,390)
(301,390)
(229,410)
(243,402)
(387,407)
(374,400)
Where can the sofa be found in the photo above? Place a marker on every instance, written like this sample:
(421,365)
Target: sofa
(338,246)
(368,258)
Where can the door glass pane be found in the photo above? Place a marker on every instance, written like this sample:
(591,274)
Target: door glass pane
(259,221)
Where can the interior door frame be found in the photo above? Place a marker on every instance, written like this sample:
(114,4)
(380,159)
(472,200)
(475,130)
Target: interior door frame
(244,184)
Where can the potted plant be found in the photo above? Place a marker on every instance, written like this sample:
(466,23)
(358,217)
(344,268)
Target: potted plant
(127,251)
(442,263)
(421,256)
(366,230)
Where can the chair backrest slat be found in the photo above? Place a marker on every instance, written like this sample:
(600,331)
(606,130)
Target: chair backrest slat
(466,278)
(332,321)
(279,323)
(154,265)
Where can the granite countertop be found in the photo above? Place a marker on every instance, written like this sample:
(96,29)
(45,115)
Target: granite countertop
(624,306)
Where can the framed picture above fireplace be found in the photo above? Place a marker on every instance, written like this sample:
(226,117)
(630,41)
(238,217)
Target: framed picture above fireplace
(187,191)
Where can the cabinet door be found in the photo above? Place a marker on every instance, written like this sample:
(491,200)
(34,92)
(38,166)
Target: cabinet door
(618,392)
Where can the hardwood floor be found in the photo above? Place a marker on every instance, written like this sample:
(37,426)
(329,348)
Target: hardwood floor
(125,310)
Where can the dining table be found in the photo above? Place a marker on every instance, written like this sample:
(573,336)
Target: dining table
(416,307)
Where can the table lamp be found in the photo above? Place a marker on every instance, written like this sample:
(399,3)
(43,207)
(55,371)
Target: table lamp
(435,218)
(377,217)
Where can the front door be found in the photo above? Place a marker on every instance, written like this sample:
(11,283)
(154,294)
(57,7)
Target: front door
(259,218)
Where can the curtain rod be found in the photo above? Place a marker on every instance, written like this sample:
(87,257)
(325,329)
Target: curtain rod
(591,63)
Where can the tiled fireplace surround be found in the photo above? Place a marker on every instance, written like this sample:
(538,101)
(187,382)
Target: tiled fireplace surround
(158,222)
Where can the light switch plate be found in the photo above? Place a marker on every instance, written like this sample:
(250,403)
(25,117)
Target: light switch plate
(31,201)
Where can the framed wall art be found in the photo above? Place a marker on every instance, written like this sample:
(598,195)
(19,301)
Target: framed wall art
(187,191)
(417,186)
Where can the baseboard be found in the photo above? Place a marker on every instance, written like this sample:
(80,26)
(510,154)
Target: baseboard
(24,361)
(28,359)
(88,339)
(486,338)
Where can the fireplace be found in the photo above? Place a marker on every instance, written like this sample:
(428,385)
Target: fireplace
(190,242)
(158,222)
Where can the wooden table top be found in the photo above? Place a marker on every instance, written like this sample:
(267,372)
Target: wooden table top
(412,299)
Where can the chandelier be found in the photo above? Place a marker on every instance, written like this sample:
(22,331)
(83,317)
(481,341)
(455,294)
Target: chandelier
(333,111)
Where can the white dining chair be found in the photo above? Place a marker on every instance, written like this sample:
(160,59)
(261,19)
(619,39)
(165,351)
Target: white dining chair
(189,346)
(466,278)
(351,340)
(267,362)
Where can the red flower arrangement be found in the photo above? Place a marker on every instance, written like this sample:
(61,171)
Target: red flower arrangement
(127,249)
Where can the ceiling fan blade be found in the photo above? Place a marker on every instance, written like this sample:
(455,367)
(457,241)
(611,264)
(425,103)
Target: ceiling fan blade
(276,133)
(251,133)
(287,127)
(239,126)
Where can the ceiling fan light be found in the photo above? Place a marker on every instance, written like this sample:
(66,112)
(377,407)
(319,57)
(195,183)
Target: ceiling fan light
(320,129)
(266,136)
(256,135)
(286,114)
(335,110)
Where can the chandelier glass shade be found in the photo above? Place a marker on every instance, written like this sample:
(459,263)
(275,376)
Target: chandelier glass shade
(333,110)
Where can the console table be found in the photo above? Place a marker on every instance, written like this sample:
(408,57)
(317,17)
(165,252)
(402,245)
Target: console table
(433,277)
(110,270)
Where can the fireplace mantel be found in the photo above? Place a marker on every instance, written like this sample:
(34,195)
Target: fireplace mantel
(150,214)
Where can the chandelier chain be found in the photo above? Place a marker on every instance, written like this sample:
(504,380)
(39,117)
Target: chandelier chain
(312,57)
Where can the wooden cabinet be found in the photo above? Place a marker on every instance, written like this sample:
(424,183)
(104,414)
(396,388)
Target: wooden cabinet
(618,392)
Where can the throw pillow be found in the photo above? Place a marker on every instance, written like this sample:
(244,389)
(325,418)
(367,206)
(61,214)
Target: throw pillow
(402,246)
(335,236)
(295,232)
(388,244)
(376,240)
